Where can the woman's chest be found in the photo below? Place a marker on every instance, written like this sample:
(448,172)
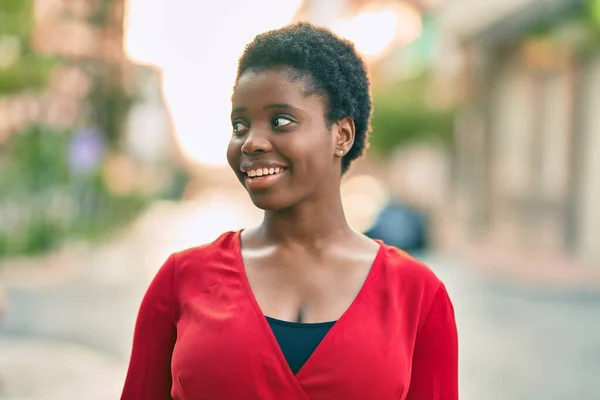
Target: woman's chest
(305,289)
(226,348)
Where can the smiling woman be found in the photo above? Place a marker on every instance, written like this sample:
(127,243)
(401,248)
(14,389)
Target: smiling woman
(300,307)
(276,124)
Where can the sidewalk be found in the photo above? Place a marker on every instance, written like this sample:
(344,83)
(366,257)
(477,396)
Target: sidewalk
(32,369)
(547,270)
(555,271)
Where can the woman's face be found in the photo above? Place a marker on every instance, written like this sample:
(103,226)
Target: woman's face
(281,148)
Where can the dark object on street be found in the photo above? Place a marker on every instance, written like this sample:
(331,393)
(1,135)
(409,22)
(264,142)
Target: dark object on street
(402,227)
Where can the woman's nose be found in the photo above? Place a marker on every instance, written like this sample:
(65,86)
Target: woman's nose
(257,141)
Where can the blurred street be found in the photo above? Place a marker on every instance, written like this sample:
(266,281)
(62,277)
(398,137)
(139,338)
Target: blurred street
(69,337)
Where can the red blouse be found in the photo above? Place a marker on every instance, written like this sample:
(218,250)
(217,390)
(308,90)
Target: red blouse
(200,334)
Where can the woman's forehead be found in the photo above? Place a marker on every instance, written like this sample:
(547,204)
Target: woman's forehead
(272,85)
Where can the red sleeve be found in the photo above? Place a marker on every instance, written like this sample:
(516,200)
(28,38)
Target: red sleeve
(435,360)
(149,373)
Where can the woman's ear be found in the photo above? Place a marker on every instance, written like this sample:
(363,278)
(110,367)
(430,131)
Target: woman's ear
(344,136)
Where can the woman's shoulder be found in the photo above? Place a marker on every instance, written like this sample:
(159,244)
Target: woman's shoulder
(205,263)
(406,270)
(226,243)
(412,285)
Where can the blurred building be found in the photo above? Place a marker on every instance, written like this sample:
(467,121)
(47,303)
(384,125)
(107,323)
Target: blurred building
(77,46)
(527,175)
(68,136)
(90,79)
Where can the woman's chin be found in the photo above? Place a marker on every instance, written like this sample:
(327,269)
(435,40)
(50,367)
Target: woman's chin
(268,202)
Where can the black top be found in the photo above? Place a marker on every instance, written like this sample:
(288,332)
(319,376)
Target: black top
(298,340)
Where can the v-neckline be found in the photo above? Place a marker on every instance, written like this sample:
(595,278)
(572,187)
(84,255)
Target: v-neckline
(327,338)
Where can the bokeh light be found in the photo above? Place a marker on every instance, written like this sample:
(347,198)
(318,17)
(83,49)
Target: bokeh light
(197,48)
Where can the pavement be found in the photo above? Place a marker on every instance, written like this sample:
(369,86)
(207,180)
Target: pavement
(519,341)
(69,320)
(37,368)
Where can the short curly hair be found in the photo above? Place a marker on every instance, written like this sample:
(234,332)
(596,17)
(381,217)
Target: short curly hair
(336,72)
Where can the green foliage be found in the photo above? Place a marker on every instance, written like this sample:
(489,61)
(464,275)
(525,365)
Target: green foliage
(16,18)
(106,214)
(34,161)
(41,236)
(394,127)
(402,116)
(110,106)
(100,17)
(46,203)
(578,30)
(593,12)
(31,72)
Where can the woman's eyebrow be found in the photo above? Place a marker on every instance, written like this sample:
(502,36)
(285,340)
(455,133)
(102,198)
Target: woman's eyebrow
(265,107)
(279,105)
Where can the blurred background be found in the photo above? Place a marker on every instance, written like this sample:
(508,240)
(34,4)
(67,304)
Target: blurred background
(484,162)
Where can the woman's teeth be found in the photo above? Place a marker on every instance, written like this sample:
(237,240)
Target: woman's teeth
(263,171)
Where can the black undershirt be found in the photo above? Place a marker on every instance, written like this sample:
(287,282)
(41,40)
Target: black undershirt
(298,340)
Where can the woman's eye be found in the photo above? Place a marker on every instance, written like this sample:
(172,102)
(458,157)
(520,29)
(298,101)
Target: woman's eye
(281,121)
(238,127)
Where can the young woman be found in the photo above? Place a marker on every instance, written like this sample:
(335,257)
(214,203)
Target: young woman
(301,307)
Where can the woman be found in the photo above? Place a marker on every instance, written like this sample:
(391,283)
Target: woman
(301,307)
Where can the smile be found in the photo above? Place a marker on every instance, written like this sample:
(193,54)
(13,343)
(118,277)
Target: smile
(260,172)
(262,178)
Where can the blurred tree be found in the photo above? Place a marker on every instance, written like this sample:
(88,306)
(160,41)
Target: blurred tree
(403,114)
(593,10)
(43,200)
(109,107)
(26,69)
(16,18)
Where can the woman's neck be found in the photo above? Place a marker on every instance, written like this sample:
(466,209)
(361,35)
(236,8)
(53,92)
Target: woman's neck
(310,224)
